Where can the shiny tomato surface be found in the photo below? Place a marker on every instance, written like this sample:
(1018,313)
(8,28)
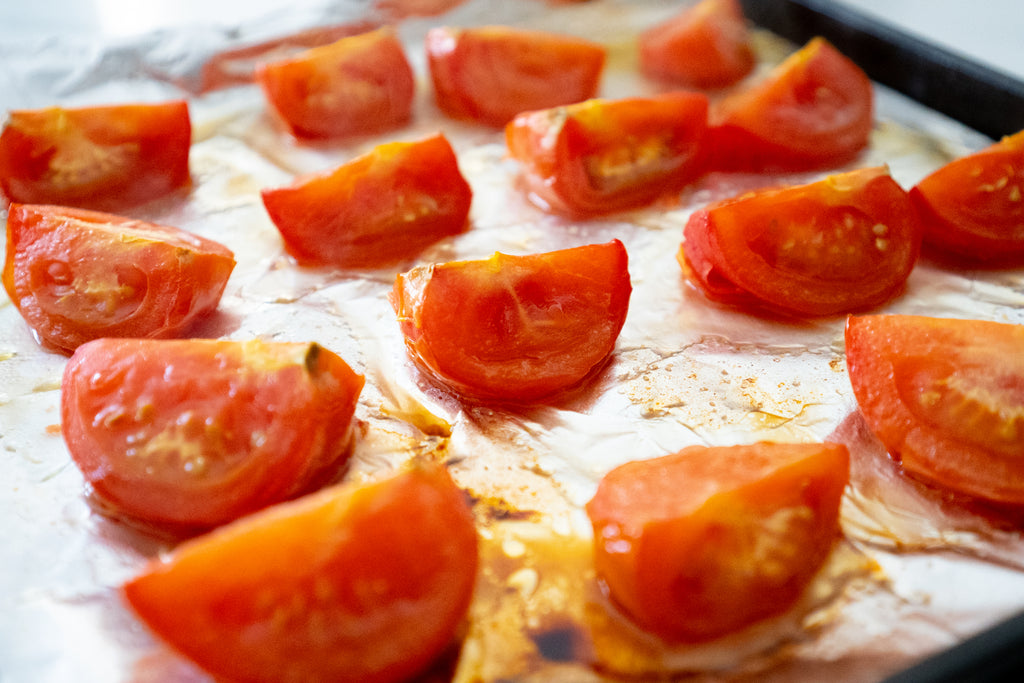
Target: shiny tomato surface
(383,207)
(358,84)
(107,158)
(515,328)
(833,246)
(707,46)
(814,111)
(946,397)
(605,155)
(195,433)
(973,208)
(77,275)
(354,584)
(698,544)
(489,74)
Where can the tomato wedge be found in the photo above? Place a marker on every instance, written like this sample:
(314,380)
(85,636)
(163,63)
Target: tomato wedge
(107,158)
(946,397)
(844,243)
(358,84)
(515,328)
(815,110)
(491,73)
(973,208)
(706,541)
(705,46)
(194,433)
(76,275)
(604,155)
(382,207)
(362,584)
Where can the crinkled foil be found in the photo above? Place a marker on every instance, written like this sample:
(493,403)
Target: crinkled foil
(916,571)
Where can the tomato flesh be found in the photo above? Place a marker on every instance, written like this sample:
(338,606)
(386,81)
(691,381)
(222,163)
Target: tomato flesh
(515,328)
(705,46)
(946,397)
(194,433)
(107,158)
(844,243)
(358,84)
(709,540)
(77,275)
(814,111)
(383,207)
(973,207)
(604,155)
(489,74)
(355,583)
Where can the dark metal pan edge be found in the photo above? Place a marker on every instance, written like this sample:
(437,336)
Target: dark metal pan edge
(978,96)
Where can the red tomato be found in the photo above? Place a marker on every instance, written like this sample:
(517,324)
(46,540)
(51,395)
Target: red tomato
(491,73)
(362,584)
(844,243)
(705,46)
(973,208)
(198,432)
(813,111)
(237,66)
(77,275)
(383,207)
(357,85)
(106,158)
(515,328)
(946,397)
(604,155)
(701,543)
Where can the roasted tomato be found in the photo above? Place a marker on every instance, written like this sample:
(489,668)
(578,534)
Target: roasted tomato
(383,207)
(515,328)
(973,208)
(837,245)
(605,155)
(705,46)
(107,158)
(77,275)
(194,433)
(815,110)
(357,85)
(946,397)
(701,543)
(491,73)
(353,584)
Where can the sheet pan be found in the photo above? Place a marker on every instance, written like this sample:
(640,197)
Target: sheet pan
(916,573)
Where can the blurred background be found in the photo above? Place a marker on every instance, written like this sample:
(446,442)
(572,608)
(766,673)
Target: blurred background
(989,32)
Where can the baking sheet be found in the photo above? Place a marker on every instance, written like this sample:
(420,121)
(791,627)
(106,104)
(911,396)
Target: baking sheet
(917,573)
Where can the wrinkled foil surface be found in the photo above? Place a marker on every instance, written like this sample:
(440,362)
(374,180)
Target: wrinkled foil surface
(915,573)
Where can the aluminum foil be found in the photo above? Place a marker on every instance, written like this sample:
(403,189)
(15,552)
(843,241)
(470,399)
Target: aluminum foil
(915,573)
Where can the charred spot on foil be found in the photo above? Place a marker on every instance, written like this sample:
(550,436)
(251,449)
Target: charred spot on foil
(497,509)
(560,643)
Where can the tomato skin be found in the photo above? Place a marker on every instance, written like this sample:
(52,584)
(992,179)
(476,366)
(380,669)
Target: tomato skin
(605,155)
(946,397)
(77,275)
(195,433)
(523,328)
(837,245)
(706,541)
(705,46)
(358,84)
(973,207)
(353,584)
(383,207)
(814,111)
(106,158)
(489,74)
